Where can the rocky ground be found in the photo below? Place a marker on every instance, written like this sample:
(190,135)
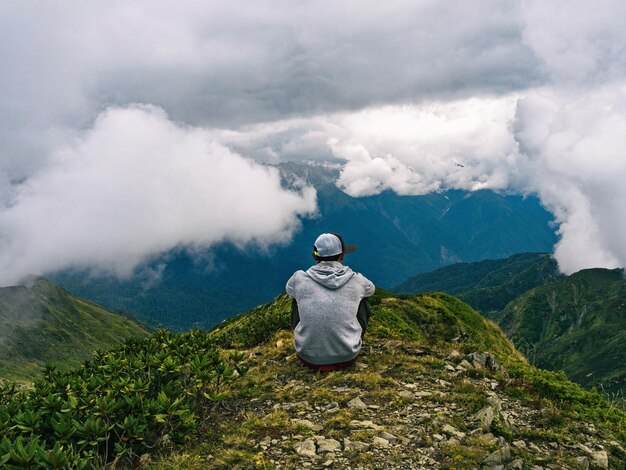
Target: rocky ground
(403,405)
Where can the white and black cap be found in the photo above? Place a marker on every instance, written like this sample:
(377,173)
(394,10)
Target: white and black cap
(331,244)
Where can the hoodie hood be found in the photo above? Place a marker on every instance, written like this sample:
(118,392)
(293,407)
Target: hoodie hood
(330,274)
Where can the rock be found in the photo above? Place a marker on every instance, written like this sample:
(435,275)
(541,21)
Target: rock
(450,368)
(305,448)
(365,424)
(617,445)
(582,463)
(357,403)
(487,438)
(495,402)
(380,442)
(484,360)
(485,417)
(357,446)
(465,364)
(280,343)
(517,464)
(454,354)
(477,360)
(452,431)
(405,394)
(499,456)
(389,437)
(328,445)
(423,394)
(361,366)
(599,459)
(492,362)
(438,437)
(307,424)
(519,444)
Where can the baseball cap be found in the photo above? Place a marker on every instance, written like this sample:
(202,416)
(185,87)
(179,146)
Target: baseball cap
(331,244)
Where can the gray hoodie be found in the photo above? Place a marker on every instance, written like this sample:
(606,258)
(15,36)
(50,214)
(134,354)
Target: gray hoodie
(328,296)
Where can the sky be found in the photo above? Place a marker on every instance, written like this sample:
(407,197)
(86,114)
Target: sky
(132,128)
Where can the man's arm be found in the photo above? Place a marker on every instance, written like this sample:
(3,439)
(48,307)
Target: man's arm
(291,286)
(363,315)
(369,287)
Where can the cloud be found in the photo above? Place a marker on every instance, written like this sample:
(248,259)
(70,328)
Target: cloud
(565,146)
(226,64)
(136,185)
(575,152)
(416,97)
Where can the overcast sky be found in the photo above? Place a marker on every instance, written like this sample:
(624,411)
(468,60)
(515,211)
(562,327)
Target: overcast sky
(130,128)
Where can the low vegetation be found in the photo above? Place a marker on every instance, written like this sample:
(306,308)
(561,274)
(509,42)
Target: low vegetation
(237,397)
(146,396)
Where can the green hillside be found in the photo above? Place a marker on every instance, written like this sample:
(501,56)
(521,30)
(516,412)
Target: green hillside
(435,317)
(576,324)
(436,386)
(42,324)
(486,285)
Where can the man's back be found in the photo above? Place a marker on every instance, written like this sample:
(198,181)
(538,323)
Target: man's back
(328,296)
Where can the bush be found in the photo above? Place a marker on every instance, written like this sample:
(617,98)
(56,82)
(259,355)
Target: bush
(144,396)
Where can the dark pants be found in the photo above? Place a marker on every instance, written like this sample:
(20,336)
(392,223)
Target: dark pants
(362,315)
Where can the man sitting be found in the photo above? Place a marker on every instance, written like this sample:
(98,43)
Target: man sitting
(330,310)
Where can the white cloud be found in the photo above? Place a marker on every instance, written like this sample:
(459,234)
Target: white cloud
(566,147)
(575,148)
(418,96)
(136,185)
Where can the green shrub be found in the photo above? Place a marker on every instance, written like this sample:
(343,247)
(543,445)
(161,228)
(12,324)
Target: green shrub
(140,398)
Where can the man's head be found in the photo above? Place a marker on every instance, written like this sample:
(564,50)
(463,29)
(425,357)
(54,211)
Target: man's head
(330,247)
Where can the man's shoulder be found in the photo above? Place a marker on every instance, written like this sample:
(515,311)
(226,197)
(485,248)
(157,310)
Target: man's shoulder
(299,274)
(361,277)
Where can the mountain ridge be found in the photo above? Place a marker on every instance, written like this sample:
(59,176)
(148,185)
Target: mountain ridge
(576,324)
(42,324)
(572,323)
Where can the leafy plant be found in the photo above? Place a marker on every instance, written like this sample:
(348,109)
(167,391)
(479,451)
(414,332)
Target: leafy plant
(123,403)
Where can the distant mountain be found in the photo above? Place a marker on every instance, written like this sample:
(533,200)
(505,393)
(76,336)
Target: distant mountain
(42,324)
(397,236)
(576,324)
(486,285)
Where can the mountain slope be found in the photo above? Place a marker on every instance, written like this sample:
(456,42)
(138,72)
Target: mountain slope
(436,386)
(42,324)
(486,285)
(576,324)
(397,237)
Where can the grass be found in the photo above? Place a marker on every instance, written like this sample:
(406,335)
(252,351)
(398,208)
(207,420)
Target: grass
(44,325)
